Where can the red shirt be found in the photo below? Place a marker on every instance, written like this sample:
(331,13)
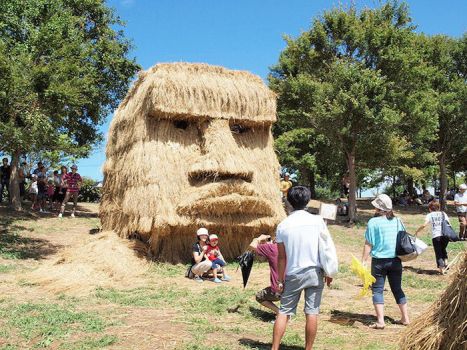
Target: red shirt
(270,252)
(211,252)
(71,181)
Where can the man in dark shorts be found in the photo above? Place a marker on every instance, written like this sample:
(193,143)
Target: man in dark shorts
(263,246)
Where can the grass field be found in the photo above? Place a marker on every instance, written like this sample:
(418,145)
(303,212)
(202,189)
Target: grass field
(157,308)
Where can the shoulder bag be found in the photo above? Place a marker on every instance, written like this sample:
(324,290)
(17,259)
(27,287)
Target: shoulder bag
(405,245)
(447,230)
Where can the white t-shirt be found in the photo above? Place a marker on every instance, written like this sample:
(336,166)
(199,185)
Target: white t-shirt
(33,188)
(461,198)
(435,218)
(299,233)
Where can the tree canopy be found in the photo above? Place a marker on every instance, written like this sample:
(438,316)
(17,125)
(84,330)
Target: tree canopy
(64,66)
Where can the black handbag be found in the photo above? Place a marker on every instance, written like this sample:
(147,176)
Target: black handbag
(447,230)
(405,244)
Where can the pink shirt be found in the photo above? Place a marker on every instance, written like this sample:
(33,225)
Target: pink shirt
(270,252)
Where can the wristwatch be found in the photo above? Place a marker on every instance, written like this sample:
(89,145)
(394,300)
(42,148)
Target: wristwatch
(280,284)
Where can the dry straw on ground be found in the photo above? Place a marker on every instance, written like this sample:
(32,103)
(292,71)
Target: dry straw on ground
(191,146)
(444,325)
(103,261)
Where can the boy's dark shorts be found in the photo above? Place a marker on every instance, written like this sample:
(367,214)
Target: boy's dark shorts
(267,294)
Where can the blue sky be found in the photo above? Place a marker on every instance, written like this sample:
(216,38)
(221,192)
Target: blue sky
(240,34)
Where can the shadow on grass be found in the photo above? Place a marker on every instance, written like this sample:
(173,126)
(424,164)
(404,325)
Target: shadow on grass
(420,271)
(254,344)
(344,318)
(262,315)
(14,246)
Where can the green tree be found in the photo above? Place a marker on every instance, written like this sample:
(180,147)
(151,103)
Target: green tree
(448,57)
(63,68)
(357,79)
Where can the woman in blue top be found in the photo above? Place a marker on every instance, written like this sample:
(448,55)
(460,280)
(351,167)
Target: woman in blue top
(380,243)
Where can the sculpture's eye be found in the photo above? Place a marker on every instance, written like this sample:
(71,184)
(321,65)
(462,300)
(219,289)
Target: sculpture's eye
(181,124)
(239,129)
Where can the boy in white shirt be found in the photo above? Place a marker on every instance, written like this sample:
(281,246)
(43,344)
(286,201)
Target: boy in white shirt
(460,201)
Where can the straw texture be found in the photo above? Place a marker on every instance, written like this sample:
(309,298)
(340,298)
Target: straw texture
(191,146)
(444,325)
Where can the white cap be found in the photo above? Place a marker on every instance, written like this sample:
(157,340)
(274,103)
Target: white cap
(382,202)
(212,237)
(202,232)
(463,187)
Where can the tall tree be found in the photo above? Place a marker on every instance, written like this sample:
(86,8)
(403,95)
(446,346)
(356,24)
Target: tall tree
(345,78)
(448,57)
(64,68)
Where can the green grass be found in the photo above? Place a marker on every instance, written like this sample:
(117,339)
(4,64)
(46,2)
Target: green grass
(44,324)
(7,268)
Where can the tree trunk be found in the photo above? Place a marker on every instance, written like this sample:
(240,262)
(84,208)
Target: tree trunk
(443,179)
(394,187)
(312,179)
(353,187)
(14,181)
(410,186)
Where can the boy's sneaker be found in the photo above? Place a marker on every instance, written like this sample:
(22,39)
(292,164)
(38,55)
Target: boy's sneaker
(226,278)
(217,280)
(60,215)
(72,215)
(198,279)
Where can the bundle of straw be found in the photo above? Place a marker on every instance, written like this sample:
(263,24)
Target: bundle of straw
(444,325)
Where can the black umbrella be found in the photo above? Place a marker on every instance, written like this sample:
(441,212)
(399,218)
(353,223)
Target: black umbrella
(245,261)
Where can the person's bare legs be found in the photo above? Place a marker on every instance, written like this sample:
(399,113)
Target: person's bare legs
(311,328)
(404,313)
(279,329)
(271,306)
(214,273)
(379,309)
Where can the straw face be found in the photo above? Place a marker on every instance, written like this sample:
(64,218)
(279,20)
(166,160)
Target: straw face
(191,146)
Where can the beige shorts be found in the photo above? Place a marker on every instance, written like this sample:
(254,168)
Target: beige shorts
(202,267)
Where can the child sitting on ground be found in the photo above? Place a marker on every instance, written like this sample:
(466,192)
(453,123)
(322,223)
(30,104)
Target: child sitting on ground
(214,255)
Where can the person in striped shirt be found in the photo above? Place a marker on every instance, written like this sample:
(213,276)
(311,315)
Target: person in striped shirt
(72,182)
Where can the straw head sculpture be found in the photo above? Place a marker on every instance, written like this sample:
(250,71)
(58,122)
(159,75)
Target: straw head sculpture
(191,146)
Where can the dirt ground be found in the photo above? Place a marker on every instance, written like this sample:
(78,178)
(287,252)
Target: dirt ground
(71,264)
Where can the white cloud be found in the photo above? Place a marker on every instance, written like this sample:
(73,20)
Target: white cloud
(127,3)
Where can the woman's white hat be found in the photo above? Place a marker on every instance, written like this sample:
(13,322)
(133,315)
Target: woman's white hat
(463,187)
(202,232)
(382,202)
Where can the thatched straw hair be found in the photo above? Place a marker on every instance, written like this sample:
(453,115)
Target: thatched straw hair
(444,324)
(191,146)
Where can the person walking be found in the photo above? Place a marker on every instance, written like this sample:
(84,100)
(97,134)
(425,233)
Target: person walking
(460,201)
(297,239)
(435,220)
(265,247)
(72,181)
(380,243)
(5,173)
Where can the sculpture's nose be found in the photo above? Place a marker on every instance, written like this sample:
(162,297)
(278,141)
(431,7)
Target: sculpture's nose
(222,158)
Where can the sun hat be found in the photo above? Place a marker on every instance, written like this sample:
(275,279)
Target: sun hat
(74,166)
(463,187)
(213,237)
(202,232)
(382,202)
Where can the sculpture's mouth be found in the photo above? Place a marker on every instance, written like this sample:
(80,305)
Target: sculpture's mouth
(220,199)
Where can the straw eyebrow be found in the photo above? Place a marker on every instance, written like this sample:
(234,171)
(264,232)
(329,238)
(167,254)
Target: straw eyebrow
(185,90)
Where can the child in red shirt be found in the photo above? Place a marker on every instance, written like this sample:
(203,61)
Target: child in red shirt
(214,255)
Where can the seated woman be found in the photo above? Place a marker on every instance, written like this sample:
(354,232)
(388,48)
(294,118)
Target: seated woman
(200,263)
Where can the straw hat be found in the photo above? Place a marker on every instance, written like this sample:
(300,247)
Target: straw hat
(382,202)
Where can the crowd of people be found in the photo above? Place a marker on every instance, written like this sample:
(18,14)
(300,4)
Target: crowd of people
(47,190)
(295,266)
